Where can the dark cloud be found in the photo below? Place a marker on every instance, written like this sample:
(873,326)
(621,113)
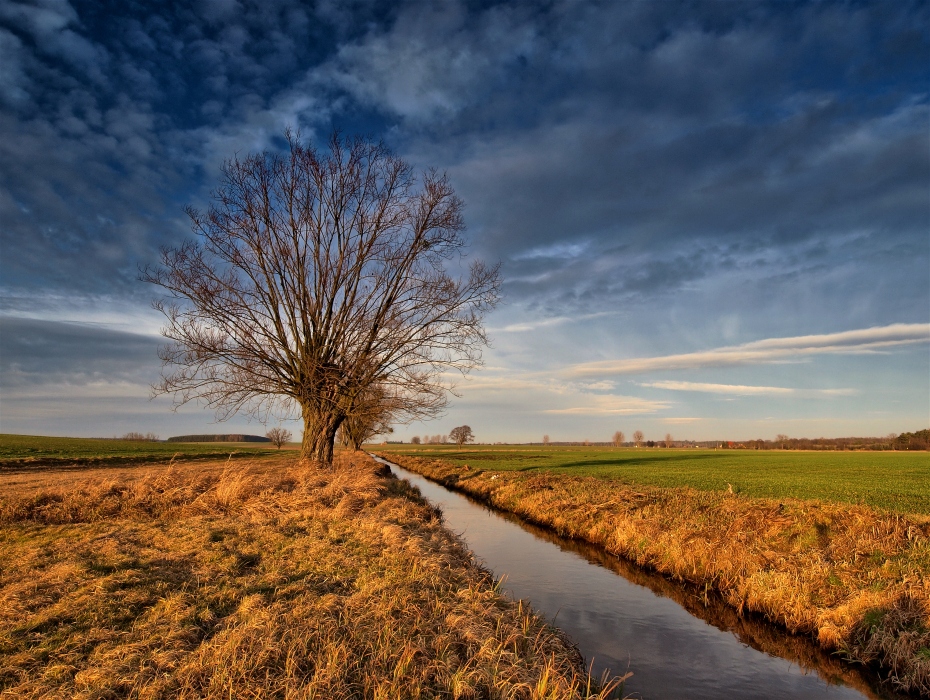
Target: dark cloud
(34,353)
(113,117)
(651,125)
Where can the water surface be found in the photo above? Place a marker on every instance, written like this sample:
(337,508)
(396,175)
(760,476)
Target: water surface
(677,642)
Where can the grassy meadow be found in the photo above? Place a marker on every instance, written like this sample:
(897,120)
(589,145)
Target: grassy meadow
(846,563)
(897,481)
(25,450)
(263,578)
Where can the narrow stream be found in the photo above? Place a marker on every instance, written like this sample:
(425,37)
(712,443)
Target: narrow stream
(678,643)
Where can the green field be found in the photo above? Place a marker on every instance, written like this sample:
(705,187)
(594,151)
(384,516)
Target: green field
(898,481)
(36,448)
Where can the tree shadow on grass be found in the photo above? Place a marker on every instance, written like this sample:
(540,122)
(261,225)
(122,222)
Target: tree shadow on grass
(635,462)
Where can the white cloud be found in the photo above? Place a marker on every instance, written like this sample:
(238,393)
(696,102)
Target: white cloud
(560,250)
(866,340)
(541,393)
(737,389)
(548,322)
(743,390)
(603,385)
(599,405)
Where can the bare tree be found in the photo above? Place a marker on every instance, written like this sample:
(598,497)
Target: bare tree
(139,437)
(279,436)
(638,438)
(545,439)
(354,432)
(314,276)
(461,435)
(371,414)
(618,438)
(668,440)
(415,440)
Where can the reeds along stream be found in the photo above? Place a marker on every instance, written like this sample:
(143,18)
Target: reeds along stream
(677,641)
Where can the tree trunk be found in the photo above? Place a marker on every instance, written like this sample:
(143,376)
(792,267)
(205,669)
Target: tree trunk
(319,435)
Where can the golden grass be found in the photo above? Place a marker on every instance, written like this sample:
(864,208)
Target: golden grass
(854,578)
(262,582)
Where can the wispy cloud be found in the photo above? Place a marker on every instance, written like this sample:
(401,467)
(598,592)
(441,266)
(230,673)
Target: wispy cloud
(547,394)
(737,389)
(546,322)
(556,250)
(597,405)
(762,351)
(682,420)
(743,390)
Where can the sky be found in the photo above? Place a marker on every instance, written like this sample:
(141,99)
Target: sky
(713,218)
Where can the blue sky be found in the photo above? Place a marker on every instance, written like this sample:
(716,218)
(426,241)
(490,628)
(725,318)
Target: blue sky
(713,217)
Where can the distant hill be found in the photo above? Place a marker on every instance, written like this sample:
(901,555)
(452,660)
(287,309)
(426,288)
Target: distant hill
(218,438)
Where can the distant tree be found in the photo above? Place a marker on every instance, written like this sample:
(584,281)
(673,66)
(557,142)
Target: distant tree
(415,440)
(371,414)
(650,443)
(279,436)
(668,440)
(918,440)
(618,438)
(461,435)
(781,440)
(638,438)
(438,439)
(545,439)
(139,437)
(355,434)
(586,442)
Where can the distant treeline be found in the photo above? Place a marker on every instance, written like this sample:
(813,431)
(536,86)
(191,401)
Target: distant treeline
(139,437)
(918,440)
(218,438)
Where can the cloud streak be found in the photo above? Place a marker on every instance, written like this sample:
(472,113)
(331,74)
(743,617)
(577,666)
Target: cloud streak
(743,390)
(765,351)
(598,405)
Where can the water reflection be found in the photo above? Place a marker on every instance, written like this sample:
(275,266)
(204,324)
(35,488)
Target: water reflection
(678,642)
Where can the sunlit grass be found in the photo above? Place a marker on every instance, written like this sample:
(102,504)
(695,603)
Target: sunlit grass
(261,580)
(52,449)
(898,481)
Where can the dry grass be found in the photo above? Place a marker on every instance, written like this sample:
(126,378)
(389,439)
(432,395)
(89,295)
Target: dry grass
(269,582)
(854,578)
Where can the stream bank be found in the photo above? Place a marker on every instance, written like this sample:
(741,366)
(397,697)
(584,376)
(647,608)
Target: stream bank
(849,578)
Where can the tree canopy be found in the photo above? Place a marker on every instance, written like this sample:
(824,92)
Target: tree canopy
(315,276)
(461,435)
